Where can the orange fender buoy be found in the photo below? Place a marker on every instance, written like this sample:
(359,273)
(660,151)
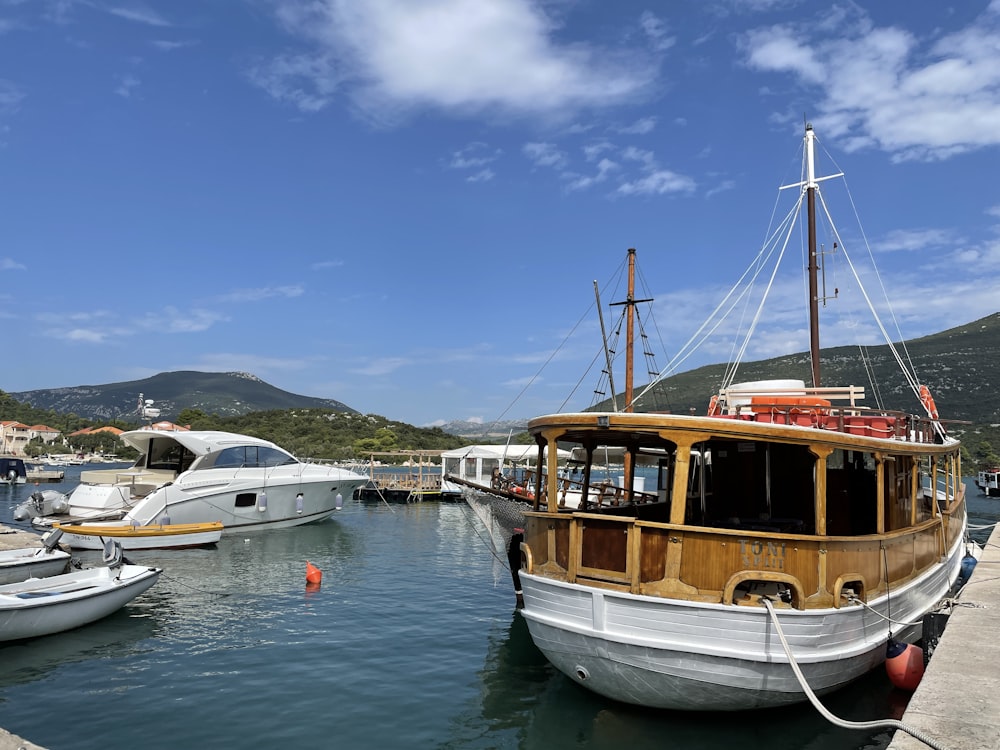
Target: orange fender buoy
(928,401)
(313,574)
(904,663)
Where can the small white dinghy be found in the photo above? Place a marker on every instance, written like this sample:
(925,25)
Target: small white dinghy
(33,562)
(42,606)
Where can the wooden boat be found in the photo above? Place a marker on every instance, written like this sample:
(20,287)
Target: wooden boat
(155,536)
(33,562)
(786,509)
(44,606)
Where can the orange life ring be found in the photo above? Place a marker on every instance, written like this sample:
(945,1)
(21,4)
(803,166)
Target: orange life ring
(928,401)
(713,406)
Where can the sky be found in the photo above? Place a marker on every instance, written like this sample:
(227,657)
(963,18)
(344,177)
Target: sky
(404,205)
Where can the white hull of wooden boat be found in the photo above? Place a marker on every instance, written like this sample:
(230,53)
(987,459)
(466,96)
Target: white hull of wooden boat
(675,654)
(52,605)
(31,562)
(169,536)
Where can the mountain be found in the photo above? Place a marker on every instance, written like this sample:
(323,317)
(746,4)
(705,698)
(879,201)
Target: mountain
(223,393)
(959,366)
(484,432)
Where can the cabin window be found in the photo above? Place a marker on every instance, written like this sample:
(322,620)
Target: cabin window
(168,454)
(755,485)
(245,456)
(491,470)
(246,500)
(898,493)
(851,493)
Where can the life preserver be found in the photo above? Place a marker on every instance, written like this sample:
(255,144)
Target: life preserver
(928,401)
(713,406)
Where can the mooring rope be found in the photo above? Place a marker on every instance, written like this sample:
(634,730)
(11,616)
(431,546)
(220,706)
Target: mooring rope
(843,723)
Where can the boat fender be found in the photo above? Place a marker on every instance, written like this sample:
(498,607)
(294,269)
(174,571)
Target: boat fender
(298,503)
(262,501)
(966,568)
(904,663)
(338,501)
(313,574)
(12,475)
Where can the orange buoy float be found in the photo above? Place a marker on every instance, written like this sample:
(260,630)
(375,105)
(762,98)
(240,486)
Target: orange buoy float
(313,574)
(928,401)
(904,663)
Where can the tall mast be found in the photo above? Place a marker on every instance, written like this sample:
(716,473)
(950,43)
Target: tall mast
(813,264)
(630,331)
(631,302)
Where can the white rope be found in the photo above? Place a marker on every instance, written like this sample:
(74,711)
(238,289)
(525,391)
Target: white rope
(843,723)
(855,600)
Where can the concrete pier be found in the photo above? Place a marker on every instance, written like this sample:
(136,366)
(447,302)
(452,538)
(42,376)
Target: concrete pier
(957,703)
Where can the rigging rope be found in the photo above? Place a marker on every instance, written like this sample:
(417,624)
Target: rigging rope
(833,719)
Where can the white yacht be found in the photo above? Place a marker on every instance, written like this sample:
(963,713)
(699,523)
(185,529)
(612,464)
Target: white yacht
(186,477)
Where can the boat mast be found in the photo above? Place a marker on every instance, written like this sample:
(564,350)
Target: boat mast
(631,302)
(630,331)
(813,265)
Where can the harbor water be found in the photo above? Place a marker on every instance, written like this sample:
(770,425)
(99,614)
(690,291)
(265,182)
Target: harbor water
(411,641)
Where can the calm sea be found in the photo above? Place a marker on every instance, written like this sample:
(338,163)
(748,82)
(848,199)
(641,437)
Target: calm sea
(411,641)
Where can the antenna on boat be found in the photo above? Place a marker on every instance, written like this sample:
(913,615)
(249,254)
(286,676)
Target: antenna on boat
(147,410)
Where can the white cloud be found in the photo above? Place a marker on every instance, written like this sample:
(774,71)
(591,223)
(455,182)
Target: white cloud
(169,46)
(460,56)
(656,31)
(9,264)
(140,14)
(10,97)
(307,82)
(382,366)
(639,127)
(266,292)
(657,183)
(882,87)
(915,239)
(126,84)
(483,175)
(545,155)
(604,167)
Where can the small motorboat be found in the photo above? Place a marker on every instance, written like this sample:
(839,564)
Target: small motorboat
(41,503)
(131,537)
(33,562)
(42,606)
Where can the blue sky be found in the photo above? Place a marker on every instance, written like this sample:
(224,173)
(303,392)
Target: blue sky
(403,204)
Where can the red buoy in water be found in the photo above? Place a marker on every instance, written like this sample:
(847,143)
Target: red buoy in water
(904,663)
(313,574)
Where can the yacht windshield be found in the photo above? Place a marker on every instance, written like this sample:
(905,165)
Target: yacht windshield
(245,456)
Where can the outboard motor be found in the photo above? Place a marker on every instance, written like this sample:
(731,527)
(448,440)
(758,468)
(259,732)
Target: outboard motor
(50,539)
(112,556)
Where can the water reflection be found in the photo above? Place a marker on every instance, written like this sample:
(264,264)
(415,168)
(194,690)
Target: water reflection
(525,703)
(118,637)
